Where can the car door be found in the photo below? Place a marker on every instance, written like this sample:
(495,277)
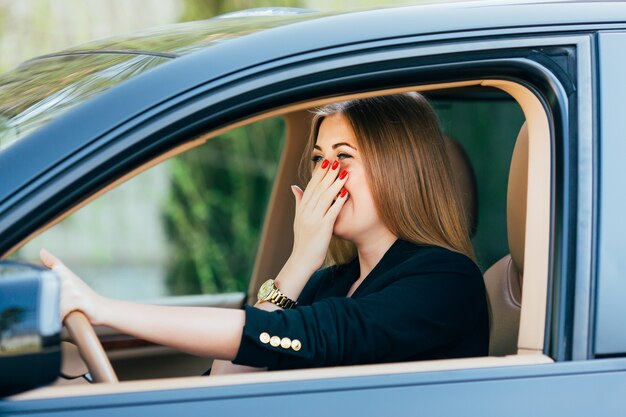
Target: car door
(608,332)
(556,69)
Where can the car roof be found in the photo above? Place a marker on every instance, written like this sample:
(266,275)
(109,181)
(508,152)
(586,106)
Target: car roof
(174,40)
(183,38)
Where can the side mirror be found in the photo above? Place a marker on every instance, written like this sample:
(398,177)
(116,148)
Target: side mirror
(30,327)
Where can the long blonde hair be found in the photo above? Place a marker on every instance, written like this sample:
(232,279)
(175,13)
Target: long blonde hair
(407,169)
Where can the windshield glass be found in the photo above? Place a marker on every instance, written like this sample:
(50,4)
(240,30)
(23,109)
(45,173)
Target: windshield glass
(39,91)
(185,38)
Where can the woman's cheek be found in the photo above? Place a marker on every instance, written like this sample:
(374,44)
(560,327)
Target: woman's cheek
(354,176)
(348,185)
(345,164)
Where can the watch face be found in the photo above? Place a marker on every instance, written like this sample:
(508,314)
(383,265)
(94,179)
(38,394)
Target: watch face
(266,289)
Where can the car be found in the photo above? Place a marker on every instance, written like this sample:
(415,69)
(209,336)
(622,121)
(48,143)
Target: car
(529,95)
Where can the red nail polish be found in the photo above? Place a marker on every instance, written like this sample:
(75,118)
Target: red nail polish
(325,163)
(343,175)
(335,165)
(343,193)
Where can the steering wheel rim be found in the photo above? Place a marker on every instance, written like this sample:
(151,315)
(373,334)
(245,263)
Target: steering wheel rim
(91,351)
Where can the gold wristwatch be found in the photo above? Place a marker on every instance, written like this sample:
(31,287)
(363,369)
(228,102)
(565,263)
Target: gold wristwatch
(269,292)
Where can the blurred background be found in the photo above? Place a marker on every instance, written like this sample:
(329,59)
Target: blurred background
(191,225)
(29,28)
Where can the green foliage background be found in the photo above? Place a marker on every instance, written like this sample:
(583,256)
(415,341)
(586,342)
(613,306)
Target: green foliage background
(202,9)
(215,210)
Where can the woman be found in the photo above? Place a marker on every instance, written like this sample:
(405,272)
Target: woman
(382,209)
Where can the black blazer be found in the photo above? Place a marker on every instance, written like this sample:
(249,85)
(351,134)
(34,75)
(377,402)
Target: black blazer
(419,302)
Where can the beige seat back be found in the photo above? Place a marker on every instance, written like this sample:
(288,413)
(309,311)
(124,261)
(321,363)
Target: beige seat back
(465,179)
(504,279)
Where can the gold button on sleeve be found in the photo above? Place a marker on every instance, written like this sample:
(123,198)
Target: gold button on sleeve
(296,345)
(264,337)
(285,343)
(275,341)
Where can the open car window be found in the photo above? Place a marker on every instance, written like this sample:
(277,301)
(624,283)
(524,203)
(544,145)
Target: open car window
(466,111)
(188,226)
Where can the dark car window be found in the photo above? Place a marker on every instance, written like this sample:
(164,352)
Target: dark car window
(190,225)
(41,90)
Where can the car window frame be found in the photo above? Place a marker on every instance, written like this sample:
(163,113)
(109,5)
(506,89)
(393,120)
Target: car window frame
(531,356)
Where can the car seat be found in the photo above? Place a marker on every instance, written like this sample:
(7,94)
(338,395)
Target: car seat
(504,279)
(465,179)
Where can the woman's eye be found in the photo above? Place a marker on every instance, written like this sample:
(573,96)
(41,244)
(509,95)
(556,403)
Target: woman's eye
(343,156)
(316,158)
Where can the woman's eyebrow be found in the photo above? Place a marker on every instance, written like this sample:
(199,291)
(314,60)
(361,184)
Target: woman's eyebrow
(336,145)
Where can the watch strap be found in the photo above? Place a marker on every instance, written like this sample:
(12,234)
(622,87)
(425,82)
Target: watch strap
(281,300)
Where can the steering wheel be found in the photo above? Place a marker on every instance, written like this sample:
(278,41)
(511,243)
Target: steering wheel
(91,351)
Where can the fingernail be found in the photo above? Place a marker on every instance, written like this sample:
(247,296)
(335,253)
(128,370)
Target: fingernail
(325,163)
(335,165)
(343,193)
(343,174)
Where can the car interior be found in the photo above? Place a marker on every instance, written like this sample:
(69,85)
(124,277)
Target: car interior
(498,137)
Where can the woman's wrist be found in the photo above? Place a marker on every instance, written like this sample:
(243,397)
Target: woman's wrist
(303,262)
(101,311)
(293,277)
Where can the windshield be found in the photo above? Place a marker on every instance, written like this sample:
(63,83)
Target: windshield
(39,91)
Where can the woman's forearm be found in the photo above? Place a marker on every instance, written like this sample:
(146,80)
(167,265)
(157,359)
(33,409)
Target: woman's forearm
(203,331)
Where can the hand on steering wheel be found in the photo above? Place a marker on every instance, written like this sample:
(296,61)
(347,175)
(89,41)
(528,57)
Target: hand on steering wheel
(77,299)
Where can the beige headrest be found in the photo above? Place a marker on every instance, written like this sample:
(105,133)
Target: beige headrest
(465,180)
(516,199)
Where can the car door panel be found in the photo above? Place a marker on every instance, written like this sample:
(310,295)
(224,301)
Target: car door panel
(521,391)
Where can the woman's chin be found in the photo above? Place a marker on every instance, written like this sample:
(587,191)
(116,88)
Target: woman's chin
(341,228)
(340,231)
